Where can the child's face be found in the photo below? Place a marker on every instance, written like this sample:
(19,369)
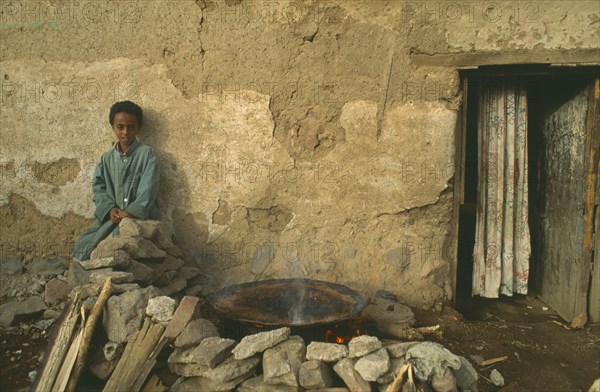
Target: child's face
(126,128)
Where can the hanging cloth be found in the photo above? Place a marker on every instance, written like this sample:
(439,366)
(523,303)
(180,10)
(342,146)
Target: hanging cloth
(502,240)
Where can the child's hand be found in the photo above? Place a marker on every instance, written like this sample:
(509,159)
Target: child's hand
(114,215)
(124,214)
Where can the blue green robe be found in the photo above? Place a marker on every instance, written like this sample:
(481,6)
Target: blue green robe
(129,182)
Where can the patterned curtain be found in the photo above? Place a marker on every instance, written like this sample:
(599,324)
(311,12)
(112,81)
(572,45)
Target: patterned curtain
(502,242)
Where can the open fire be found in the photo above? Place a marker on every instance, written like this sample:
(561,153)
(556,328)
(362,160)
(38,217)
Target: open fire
(343,332)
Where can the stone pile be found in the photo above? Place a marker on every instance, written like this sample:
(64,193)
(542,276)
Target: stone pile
(142,255)
(206,362)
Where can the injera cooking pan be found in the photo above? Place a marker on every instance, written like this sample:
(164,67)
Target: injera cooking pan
(288,302)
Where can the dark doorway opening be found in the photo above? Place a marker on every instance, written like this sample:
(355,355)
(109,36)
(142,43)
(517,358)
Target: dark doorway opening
(558,107)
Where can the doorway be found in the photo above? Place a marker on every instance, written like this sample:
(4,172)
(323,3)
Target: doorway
(562,148)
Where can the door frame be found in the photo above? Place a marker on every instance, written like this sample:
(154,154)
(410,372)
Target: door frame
(592,155)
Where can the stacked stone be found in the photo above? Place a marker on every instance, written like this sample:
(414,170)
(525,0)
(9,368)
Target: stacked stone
(142,255)
(206,362)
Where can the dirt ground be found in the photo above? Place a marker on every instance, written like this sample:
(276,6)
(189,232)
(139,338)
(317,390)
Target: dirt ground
(543,355)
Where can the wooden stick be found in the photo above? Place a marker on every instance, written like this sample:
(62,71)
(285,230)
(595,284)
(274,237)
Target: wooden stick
(57,348)
(88,332)
(492,361)
(398,381)
(63,376)
(411,387)
(136,354)
(183,315)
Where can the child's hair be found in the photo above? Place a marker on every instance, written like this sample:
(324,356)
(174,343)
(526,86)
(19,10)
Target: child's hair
(126,107)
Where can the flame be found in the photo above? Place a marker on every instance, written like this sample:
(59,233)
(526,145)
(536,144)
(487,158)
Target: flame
(259,326)
(345,331)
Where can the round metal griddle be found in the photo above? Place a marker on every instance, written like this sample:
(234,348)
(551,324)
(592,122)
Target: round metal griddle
(288,302)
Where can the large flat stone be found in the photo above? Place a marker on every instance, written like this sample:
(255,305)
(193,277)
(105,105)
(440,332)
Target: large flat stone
(345,369)
(100,276)
(119,258)
(47,266)
(281,363)
(259,342)
(326,352)
(257,384)
(232,368)
(12,311)
(197,360)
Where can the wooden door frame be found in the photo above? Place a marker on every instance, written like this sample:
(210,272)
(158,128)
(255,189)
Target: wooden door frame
(592,153)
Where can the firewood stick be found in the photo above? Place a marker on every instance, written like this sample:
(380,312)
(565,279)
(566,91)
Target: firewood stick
(88,332)
(398,381)
(493,361)
(58,347)
(63,376)
(411,387)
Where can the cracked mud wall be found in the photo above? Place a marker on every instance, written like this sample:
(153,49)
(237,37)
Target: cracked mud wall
(295,138)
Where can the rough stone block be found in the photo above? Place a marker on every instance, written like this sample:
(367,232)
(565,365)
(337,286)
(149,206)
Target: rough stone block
(259,342)
(373,365)
(124,314)
(345,369)
(363,345)
(466,375)
(130,228)
(315,374)
(196,331)
(56,291)
(137,247)
(281,363)
(443,381)
(161,309)
(326,352)
(77,276)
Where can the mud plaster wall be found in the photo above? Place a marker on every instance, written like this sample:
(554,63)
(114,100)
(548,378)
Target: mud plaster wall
(296,139)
